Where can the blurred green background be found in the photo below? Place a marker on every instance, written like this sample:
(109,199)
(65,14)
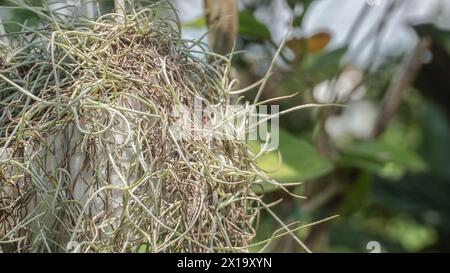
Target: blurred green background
(383,162)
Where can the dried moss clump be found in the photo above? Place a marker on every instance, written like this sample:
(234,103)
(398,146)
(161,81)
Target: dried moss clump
(87,159)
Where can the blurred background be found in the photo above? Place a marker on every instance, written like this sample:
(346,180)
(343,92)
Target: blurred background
(382,163)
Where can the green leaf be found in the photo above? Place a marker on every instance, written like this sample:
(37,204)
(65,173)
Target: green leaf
(299,160)
(435,146)
(434,32)
(250,26)
(313,44)
(381,157)
(196,23)
(357,194)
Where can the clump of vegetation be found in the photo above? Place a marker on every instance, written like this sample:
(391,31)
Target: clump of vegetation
(87,158)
